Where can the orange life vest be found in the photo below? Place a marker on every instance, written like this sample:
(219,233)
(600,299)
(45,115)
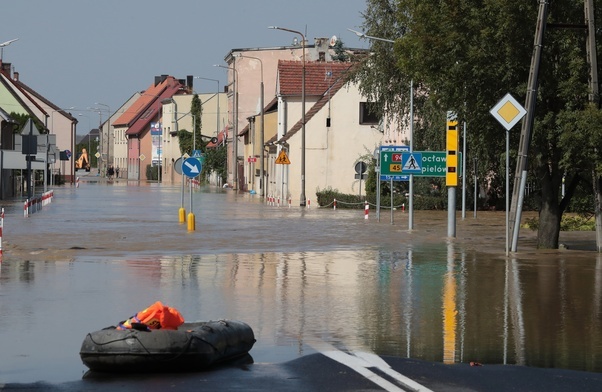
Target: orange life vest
(156,316)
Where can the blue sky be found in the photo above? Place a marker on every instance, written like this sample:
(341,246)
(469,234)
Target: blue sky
(79,52)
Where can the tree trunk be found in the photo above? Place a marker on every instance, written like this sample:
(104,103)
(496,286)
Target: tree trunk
(550,214)
(597,181)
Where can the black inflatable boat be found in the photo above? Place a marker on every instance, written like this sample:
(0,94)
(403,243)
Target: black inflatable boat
(193,346)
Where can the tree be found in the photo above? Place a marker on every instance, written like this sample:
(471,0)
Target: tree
(339,52)
(190,140)
(463,56)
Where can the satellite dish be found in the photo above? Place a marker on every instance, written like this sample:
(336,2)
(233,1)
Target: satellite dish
(333,40)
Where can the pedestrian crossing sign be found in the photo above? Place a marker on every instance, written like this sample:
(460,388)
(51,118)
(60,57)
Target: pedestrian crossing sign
(282,158)
(411,163)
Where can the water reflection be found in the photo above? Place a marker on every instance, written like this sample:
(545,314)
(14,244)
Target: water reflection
(440,303)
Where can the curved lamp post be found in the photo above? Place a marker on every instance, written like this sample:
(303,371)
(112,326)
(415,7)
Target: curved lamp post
(302,202)
(6,43)
(411,198)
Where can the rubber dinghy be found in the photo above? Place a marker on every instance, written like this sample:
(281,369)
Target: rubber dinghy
(192,346)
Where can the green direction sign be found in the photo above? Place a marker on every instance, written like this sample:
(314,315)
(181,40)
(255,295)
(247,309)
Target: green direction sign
(432,163)
(390,163)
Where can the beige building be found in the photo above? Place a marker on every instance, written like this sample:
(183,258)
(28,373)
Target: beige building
(176,116)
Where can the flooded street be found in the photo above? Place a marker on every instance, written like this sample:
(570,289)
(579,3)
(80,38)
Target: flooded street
(101,252)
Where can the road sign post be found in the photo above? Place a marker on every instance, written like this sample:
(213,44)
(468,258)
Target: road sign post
(508,112)
(191,167)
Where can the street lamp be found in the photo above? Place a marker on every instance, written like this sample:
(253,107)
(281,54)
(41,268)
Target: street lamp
(103,138)
(235,136)
(262,132)
(411,198)
(302,197)
(3,44)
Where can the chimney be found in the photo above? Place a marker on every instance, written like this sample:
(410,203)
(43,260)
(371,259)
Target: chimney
(16,76)
(157,80)
(189,80)
(6,69)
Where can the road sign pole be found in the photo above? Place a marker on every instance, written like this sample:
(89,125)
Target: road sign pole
(391,200)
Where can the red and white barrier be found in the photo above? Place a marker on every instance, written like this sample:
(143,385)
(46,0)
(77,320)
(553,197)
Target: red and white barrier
(334,204)
(77,182)
(36,204)
(289,202)
(308,203)
(366,210)
(403,207)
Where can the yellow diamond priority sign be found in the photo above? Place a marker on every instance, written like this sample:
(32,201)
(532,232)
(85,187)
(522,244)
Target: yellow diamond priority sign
(508,111)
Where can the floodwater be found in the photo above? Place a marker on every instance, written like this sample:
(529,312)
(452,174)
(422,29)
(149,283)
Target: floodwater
(103,251)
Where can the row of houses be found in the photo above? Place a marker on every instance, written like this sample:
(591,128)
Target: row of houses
(291,121)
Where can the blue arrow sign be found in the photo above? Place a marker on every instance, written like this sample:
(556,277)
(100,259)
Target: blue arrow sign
(191,167)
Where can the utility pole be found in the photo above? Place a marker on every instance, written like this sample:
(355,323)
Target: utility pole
(594,97)
(520,176)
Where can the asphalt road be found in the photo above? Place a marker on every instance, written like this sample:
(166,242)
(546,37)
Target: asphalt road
(317,372)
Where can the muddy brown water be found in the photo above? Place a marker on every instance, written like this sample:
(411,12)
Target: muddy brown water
(101,252)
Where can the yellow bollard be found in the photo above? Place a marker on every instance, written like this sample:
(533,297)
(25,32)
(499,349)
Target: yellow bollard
(182,214)
(191,225)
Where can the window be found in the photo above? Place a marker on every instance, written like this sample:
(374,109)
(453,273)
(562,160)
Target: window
(368,113)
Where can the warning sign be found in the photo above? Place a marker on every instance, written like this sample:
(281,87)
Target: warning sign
(411,163)
(282,158)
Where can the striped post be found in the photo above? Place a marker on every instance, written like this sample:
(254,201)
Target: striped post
(366,210)
(334,204)
(308,203)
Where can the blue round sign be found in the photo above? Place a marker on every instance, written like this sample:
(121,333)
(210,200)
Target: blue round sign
(191,167)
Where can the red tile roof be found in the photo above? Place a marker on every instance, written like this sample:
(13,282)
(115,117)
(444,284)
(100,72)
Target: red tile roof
(319,76)
(334,86)
(220,139)
(148,104)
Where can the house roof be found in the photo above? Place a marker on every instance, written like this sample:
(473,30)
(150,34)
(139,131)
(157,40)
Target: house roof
(331,90)
(10,86)
(319,76)
(221,136)
(31,92)
(148,105)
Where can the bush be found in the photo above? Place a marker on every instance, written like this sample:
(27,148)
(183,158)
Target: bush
(568,223)
(152,173)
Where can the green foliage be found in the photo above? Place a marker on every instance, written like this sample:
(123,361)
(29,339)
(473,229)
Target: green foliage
(339,52)
(568,223)
(152,173)
(463,57)
(191,139)
(216,161)
(21,119)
